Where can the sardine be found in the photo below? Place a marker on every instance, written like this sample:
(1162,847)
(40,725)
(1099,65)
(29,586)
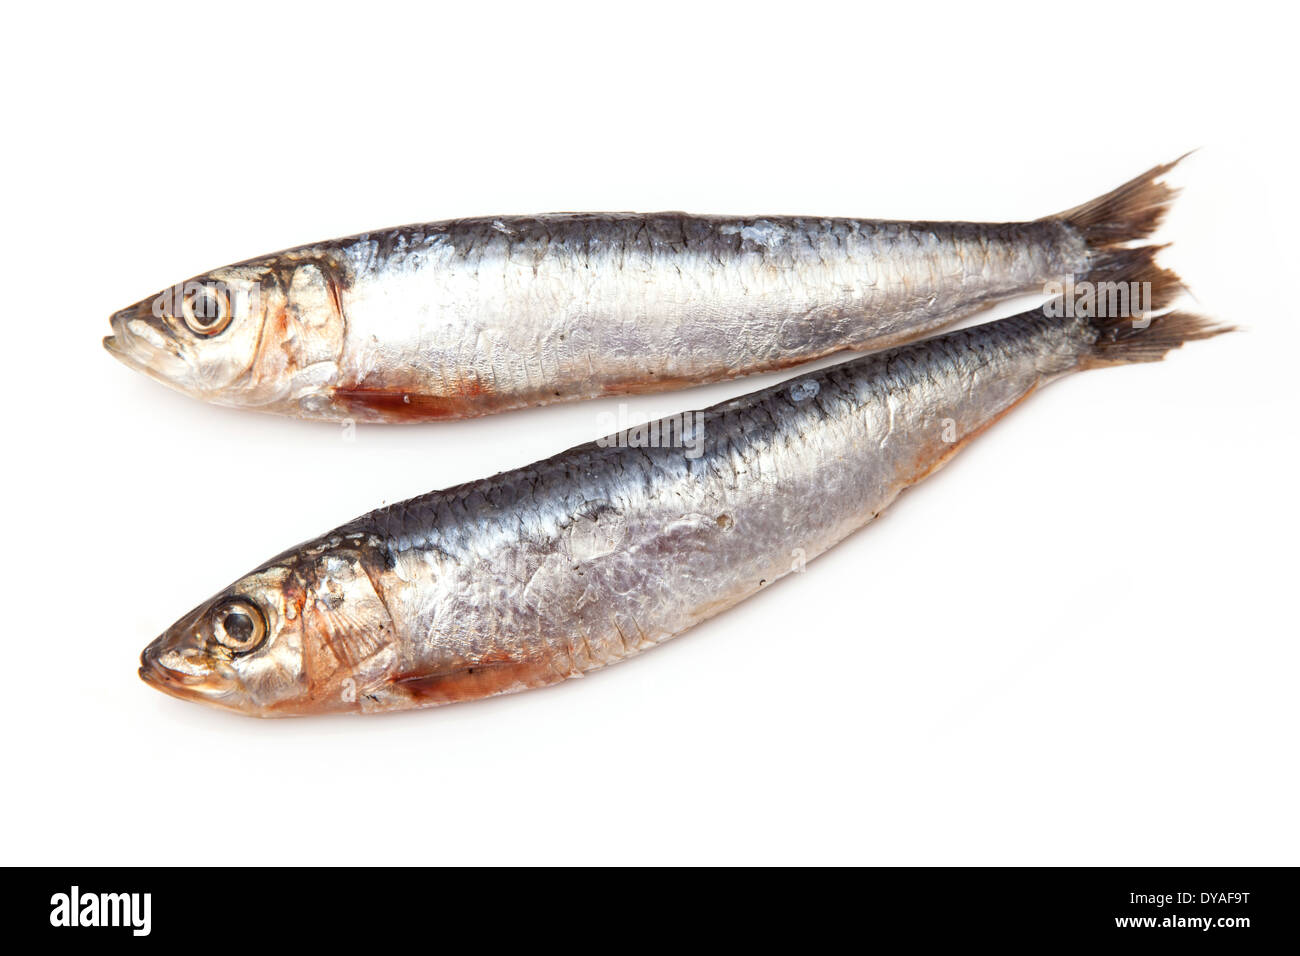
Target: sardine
(585,559)
(473,316)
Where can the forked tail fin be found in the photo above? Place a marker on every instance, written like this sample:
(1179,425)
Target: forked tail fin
(1136,270)
(1110,224)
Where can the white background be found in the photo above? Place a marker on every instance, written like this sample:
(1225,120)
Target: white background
(1077,644)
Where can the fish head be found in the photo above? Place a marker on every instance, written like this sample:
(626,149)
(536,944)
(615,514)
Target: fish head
(242,649)
(200,336)
(305,634)
(265,334)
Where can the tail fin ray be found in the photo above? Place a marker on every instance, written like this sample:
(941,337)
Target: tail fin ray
(1121,341)
(1127,213)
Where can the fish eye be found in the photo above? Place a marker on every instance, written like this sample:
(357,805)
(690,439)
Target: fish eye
(206,310)
(238,624)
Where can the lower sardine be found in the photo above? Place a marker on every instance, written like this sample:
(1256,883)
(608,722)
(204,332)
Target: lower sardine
(587,558)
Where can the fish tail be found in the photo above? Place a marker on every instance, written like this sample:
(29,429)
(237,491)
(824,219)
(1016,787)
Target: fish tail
(1146,285)
(1123,340)
(1130,212)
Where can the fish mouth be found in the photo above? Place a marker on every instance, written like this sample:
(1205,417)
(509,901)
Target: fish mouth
(204,686)
(154,671)
(142,341)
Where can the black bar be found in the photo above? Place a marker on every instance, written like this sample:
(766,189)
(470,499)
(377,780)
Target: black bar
(1228,907)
